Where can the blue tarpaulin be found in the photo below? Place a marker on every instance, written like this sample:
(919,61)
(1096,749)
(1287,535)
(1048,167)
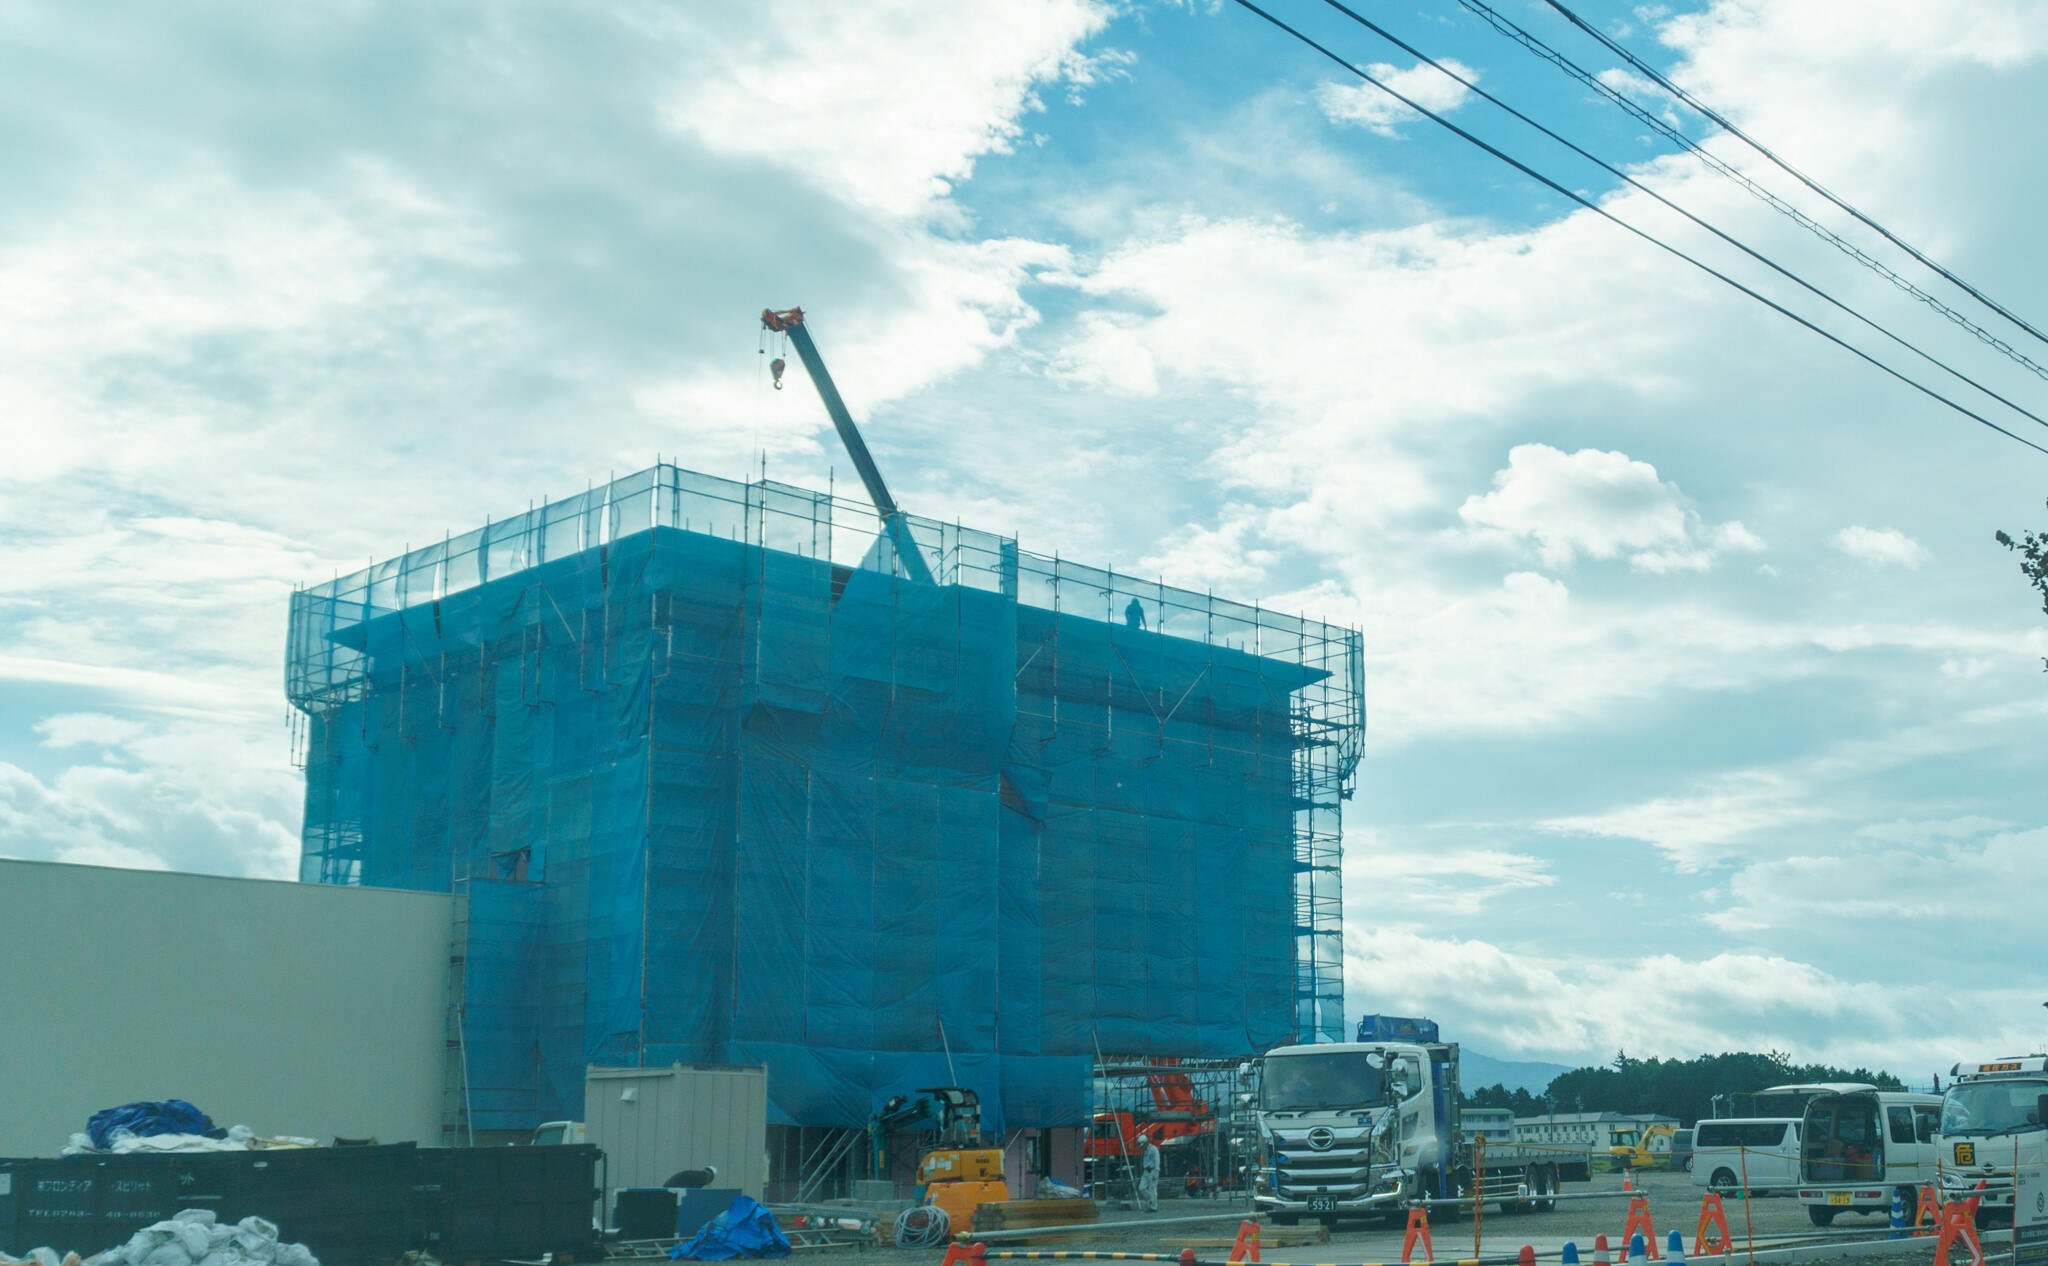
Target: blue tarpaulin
(744,1230)
(718,796)
(145,1119)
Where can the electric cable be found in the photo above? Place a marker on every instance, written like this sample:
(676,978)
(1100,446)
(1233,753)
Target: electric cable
(922,1226)
(1701,107)
(1721,166)
(1587,203)
(1619,174)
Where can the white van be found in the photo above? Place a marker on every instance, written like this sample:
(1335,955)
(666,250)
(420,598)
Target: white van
(1764,1150)
(1861,1147)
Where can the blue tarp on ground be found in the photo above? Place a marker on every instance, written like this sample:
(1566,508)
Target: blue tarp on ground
(718,803)
(744,1230)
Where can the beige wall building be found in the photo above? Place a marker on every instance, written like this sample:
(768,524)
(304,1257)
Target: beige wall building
(302,1009)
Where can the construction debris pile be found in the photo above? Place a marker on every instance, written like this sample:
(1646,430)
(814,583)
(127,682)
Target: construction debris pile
(169,1125)
(192,1238)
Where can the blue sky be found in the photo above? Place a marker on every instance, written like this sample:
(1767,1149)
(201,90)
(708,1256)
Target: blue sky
(1705,714)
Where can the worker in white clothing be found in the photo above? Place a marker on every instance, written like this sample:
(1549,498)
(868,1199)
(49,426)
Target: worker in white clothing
(1148,1174)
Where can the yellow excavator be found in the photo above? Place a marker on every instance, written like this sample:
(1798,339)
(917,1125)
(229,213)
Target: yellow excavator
(1647,1147)
(959,1172)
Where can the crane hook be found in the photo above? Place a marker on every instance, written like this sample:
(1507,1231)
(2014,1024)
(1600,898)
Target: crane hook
(775,368)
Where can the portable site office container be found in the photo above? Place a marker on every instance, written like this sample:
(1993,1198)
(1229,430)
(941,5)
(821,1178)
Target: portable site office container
(654,1122)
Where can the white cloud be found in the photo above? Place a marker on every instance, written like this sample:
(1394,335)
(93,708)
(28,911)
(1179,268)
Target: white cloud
(1220,559)
(1880,547)
(1516,1003)
(886,104)
(1588,502)
(174,794)
(74,729)
(1376,111)
(1405,884)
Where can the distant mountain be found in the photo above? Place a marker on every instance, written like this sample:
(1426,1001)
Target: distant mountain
(1478,1070)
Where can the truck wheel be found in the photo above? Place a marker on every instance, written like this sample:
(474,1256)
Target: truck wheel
(1543,1186)
(1821,1214)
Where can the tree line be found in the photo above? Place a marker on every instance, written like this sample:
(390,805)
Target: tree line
(1681,1088)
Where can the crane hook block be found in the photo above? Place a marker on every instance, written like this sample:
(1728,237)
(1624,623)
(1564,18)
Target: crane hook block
(775,368)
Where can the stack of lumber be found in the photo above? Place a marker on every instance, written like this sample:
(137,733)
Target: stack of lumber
(1016,1215)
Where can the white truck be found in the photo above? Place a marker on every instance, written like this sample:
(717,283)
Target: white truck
(1994,1119)
(1365,1129)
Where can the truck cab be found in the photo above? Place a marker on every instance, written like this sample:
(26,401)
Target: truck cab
(1994,1119)
(1349,1127)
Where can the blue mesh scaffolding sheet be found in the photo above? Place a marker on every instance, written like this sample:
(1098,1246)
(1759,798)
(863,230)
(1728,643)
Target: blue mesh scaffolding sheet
(722,791)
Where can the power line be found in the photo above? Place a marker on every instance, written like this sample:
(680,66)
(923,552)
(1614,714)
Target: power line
(1655,77)
(1711,271)
(1721,166)
(1616,172)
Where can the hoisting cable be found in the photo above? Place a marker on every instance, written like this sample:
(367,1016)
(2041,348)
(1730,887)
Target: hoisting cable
(1716,118)
(1588,204)
(1619,174)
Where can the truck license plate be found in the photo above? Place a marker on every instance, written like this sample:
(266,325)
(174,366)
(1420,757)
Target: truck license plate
(1838,1197)
(1322,1204)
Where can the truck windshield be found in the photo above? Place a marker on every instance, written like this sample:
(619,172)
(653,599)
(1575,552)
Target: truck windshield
(1340,1079)
(1993,1107)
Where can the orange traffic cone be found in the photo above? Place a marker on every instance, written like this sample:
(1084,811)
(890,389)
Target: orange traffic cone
(1713,1217)
(1628,1180)
(1418,1228)
(1247,1247)
(1639,1220)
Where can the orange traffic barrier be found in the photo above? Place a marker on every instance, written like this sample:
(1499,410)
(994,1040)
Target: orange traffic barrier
(1713,1217)
(958,1254)
(1247,1247)
(1927,1212)
(1958,1223)
(1639,1220)
(1418,1229)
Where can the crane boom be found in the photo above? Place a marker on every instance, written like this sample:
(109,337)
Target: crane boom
(894,524)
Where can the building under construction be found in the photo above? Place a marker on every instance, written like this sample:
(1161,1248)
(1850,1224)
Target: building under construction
(727,779)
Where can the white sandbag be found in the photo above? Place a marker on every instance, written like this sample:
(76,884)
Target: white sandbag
(77,1145)
(171,1254)
(296,1255)
(240,1134)
(258,1227)
(44,1257)
(143,1243)
(196,1217)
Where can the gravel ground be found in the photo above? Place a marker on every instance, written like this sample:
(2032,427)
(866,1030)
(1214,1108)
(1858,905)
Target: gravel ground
(1674,1205)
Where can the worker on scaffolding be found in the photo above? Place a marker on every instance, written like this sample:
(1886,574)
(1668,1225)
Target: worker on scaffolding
(1148,1174)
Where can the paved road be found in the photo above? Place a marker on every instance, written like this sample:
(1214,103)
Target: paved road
(1674,1205)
